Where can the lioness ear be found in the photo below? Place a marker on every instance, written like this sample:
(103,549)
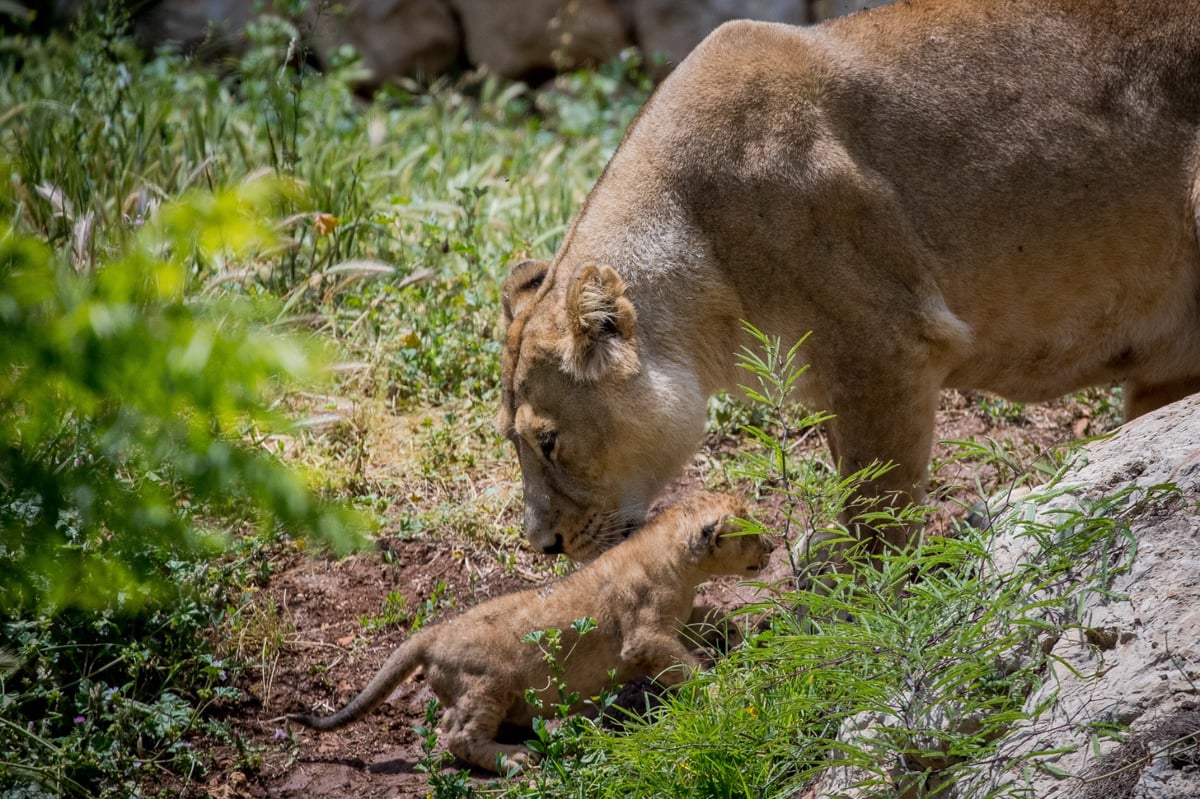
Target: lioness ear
(521,284)
(602,321)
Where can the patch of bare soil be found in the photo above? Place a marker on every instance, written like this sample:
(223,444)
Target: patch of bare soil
(325,647)
(338,633)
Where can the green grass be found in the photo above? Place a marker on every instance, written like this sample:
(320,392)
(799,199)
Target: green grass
(439,189)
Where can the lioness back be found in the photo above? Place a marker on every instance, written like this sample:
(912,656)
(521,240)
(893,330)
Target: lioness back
(1043,189)
(998,195)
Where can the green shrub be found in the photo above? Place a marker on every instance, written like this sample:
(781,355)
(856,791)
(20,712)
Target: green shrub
(124,407)
(132,424)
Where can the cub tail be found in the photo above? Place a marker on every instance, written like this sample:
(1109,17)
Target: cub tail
(398,668)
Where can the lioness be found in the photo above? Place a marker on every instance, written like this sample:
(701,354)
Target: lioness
(639,594)
(947,193)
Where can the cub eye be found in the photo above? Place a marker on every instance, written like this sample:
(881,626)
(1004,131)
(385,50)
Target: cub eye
(547,440)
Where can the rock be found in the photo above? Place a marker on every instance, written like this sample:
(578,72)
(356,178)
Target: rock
(1135,661)
(424,38)
(416,38)
(412,38)
(827,9)
(669,29)
(215,25)
(519,39)
(1117,712)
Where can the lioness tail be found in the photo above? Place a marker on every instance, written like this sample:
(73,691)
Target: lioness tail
(398,668)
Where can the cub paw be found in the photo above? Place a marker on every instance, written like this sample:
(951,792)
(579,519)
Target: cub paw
(512,764)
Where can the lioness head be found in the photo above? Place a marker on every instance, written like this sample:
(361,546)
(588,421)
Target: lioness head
(598,422)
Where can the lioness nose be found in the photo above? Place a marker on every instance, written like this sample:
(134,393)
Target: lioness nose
(556,548)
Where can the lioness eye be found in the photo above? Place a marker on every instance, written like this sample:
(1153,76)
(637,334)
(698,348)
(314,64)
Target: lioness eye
(547,441)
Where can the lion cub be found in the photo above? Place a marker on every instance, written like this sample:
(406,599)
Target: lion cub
(639,593)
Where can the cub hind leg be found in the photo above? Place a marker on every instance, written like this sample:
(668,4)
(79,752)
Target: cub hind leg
(470,728)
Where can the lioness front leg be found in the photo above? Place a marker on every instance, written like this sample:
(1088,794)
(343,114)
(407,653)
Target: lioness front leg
(469,729)
(892,426)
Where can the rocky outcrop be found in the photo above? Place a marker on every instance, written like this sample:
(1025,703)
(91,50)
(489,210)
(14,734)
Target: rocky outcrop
(1116,711)
(424,38)
(415,38)
(216,25)
(517,39)
(1134,661)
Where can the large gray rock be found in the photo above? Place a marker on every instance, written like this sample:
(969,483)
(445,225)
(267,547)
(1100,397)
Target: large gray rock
(1117,713)
(827,9)
(669,29)
(394,38)
(515,39)
(217,25)
(1134,661)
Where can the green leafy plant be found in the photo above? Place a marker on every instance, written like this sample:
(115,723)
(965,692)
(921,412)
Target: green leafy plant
(131,416)
(558,734)
(999,408)
(438,602)
(395,613)
(96,703)
(124,407)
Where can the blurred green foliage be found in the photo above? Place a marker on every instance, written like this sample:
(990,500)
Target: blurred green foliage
(126,408)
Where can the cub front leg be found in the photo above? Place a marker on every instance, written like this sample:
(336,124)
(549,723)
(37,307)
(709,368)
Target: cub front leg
(660,654)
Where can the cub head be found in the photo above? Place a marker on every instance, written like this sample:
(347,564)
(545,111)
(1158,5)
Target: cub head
(599,424)
(712,534)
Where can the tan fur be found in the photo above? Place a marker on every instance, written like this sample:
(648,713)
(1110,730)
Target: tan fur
(640,595)
(986,194)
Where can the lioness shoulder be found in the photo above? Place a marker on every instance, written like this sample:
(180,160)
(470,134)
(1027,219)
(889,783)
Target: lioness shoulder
(638,594)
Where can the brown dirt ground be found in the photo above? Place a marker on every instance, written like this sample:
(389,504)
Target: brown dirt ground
(305,632)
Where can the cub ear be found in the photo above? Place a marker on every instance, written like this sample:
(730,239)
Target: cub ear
(519,287)
(712,533)
(602,321)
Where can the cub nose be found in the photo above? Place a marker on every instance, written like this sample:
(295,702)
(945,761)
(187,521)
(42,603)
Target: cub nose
(556,548)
